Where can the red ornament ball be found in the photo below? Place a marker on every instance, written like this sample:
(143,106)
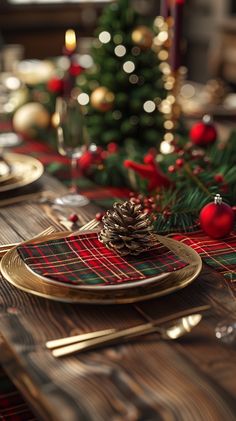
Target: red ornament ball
(217,218)
(203,133)
(55,85)
(75,69)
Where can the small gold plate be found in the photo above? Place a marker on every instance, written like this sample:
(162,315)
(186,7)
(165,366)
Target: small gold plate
(24,170)
(20,275)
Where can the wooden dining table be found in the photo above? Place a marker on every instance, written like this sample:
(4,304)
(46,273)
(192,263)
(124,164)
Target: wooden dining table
(148,379)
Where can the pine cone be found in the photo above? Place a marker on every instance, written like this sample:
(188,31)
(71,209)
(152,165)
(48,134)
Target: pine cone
(127,230)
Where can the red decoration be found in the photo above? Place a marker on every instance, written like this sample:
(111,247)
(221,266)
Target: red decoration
(217,218)
(112,147)
(88,159)
(219,178)
(150,171)
(75,69)
(203,133)
(171,169)
(55,85)
(179,162)
(73,218)
(99,216)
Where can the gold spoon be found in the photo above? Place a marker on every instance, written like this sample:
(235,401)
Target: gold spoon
(174,330)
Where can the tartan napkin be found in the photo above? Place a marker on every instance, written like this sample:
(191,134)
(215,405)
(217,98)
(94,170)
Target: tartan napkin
(219,254)
(84,260)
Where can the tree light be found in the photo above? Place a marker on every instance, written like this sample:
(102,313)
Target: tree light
(129,66)
(104,37)
(149,106)
(120,50)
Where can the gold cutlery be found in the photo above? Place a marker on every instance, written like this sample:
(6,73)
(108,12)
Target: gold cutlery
(89,226)
(77,338)
(6,247)
(183,323)
(43,195)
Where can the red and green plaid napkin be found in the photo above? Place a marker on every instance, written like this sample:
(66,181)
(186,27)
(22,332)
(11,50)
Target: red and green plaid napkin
(219,254)
(84,260)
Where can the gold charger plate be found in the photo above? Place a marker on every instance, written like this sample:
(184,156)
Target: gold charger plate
(16,272)
(24,170)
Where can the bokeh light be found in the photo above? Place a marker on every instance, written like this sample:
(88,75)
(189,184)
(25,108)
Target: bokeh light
(149,106)
(120,50)
(129,66)
(104,37)
(83,98)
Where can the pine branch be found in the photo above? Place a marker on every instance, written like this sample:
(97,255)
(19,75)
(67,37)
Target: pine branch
(197,180)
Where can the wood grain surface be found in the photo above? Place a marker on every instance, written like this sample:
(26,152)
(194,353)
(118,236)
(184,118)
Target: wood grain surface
(147,379)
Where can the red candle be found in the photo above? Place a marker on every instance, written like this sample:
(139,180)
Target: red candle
(178,7)
(164,9)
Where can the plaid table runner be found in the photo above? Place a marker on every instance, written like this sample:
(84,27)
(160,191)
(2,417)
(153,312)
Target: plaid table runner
(219,254)
(84,260)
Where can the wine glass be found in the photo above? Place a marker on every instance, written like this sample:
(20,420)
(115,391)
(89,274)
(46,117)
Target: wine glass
(71,141)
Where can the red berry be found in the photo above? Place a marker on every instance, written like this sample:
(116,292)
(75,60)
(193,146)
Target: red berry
(73,217)
(179,162)
(99,216)
(112,147)
(171,168)
(219,178)
(104,154)
(166,213)
(197,170)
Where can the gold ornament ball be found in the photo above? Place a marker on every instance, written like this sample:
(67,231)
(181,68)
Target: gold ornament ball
(102,99)
(30,117)
(142,36)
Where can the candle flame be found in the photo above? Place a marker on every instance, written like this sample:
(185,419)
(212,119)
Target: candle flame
(70,40)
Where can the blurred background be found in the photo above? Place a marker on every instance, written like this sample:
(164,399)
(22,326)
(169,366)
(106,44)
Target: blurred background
(36,28)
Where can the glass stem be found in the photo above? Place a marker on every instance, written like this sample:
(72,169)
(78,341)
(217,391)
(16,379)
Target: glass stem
(74,173)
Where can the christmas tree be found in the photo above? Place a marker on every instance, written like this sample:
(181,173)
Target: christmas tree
(125,85)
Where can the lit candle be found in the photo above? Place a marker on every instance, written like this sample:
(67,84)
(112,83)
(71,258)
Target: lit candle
(70,41)
(164,9)
(70,47)
(178,7)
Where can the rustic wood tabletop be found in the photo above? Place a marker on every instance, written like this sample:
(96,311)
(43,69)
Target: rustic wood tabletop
(149,379)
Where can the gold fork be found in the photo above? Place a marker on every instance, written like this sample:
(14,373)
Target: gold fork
(4,248)
(89,226)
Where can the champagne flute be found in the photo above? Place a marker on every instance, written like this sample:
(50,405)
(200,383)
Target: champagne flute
(71,142)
